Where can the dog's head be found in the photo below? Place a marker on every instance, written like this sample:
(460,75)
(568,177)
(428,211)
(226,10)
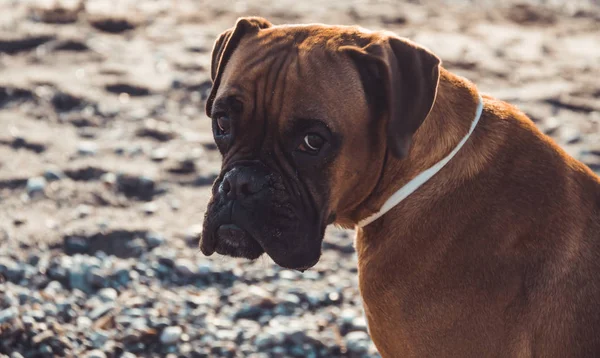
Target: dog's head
(304,116)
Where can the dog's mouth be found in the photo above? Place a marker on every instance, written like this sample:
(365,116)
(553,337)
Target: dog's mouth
(231,240)
(267,221)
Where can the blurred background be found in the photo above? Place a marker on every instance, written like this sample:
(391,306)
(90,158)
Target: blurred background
(106,158)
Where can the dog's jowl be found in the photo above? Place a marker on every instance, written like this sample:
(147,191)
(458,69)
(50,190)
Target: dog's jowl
(477,236)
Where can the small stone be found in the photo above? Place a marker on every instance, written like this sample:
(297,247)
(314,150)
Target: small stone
(45,350)
(75,245)
(101,310)
(87,148)
(265,340)
(8,314)
(333,298)
(84,322)
(171,335)
(159,154)
(33,259)
(108,294)
(226,335)
(157,130)
(136,247)
(122,276)
(35,185)
(159,323)
(54,174)
(99,338)
(38,315)
(154,239)
(87,132)
(288,275)
(11,270)
(53,287)
(347,316)
(291,299)
(357,342)
(77,277)
(109,178)
(96,354)
(183,166)
(204,268)
(359,324)
(166,261)
(184,267)
(96,277)
(550,125)
(28,322)
(135,312)
(193,233)
(83,211)
(19,220)
(42,337)
(150,208)
(570,135)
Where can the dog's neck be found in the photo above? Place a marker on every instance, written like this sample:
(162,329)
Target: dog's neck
(438,136)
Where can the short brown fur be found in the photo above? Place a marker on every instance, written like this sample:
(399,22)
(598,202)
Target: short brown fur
(498,255)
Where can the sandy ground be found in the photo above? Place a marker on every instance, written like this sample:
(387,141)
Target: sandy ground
(103,132)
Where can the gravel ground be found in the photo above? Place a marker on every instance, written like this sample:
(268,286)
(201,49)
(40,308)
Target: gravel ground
(106,158)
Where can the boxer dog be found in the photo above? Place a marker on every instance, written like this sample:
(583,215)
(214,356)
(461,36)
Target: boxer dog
(477,236)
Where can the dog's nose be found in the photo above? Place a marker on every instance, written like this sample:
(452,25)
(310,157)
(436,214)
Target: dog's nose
(240,183)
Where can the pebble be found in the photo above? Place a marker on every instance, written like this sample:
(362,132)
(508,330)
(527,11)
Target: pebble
(38,315)
(359,323)
(99,337)
(12,270)
(42,337)
(8,314)
(95,354)
(550,125)
(101,310)
(171,335)
(185,267)
(35,185)
(357,342)
(204,268)
(108,294)
(87,148)
(150,208)
(96,277)
(45,349)
(570,135)
(84,322)
(159,154)
(77,277)
(154,239)
(109,178)
(75,244)
(54,174)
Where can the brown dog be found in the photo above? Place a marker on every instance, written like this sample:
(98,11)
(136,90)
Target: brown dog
(497,253)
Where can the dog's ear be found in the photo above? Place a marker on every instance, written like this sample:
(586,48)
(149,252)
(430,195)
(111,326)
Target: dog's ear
(409,74)
(224,47)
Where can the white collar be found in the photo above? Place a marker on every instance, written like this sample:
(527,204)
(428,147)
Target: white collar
(423,177)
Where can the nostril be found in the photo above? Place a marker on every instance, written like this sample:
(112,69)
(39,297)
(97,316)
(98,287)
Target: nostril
(245,189)
(226,186)
(240,183)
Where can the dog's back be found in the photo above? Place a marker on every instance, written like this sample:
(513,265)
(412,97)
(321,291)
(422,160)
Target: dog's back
(507,263)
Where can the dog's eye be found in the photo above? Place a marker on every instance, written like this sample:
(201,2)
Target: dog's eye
(311,143)
(223,125)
